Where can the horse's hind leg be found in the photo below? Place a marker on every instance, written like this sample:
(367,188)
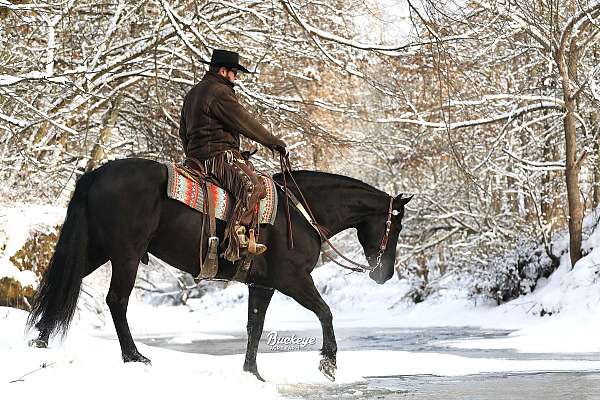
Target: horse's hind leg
(96,259)
(258,302)
(303,290)
(122,281)
(42,339)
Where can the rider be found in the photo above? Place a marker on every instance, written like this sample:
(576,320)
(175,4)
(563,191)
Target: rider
(212,120)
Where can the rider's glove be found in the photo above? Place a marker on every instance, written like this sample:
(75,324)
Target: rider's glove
(280,149)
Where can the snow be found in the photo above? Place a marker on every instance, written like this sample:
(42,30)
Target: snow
(83,362)
(89,366)
(90,356)
(571,295)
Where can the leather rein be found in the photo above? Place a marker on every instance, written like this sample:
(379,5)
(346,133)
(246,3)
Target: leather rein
(285,165)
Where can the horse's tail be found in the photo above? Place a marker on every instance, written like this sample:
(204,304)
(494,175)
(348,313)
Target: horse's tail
(56,299)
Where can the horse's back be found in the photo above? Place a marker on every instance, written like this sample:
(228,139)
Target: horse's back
(124,170)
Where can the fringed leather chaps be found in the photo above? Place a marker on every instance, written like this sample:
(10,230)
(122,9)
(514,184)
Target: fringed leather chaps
(237,175)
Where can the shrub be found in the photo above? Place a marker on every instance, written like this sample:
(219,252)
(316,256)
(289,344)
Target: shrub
(12,294)
(33,256)
(36,252)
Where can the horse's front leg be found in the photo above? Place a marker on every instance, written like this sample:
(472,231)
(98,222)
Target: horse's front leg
(303,290)
(258,302)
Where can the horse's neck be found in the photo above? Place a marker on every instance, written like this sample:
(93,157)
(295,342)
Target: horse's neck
(339,203)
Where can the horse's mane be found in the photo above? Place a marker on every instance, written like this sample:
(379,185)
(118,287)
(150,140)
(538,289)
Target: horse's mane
(326,176)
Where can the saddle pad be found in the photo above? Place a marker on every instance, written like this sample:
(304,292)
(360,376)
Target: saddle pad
(188,191)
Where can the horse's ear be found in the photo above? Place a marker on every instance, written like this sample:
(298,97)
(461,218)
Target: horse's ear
(399,201)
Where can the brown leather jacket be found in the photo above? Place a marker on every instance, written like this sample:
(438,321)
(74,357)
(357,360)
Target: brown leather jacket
(212,120)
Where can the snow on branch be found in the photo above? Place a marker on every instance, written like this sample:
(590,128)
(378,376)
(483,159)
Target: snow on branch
(578,22)
(508,12)
(175,19)
(12,80)
(390,50)
(476,122)
(535,165)
(46,117)
(25,7)
(14,121)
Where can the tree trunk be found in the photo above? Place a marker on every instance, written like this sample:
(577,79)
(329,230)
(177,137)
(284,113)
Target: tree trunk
(572,178)
(109,123)
(566,61)
(547,205)
(596,167)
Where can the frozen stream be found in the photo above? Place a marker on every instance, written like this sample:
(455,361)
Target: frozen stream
(539,385)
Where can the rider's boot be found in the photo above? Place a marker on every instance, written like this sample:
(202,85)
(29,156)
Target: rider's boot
(240,231)
(249,242)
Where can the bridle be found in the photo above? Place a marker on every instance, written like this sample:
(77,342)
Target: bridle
(386,235)
(286,167)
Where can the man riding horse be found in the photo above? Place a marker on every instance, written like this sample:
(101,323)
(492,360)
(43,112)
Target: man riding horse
(212,121)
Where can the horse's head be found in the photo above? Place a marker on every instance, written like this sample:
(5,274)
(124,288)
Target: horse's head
(371,233)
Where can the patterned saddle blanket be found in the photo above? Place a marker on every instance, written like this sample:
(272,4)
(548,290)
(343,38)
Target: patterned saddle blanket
(186,189)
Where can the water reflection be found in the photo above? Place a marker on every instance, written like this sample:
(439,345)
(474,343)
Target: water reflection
(534,386)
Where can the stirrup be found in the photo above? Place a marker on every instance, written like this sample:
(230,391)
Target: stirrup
(260,248)
(253,247)
(211,262)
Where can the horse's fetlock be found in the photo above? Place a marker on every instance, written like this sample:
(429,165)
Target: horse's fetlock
(329,352)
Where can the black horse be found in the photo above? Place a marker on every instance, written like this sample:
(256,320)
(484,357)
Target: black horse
(120,212)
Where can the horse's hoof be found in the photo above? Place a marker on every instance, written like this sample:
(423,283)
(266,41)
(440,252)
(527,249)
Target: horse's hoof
(254,372)
(328,368)
(136,357)
(39,343)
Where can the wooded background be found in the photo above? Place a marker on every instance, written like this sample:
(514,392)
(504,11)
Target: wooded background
(487,111)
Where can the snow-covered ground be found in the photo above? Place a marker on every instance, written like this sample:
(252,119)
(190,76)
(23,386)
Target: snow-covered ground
(88,361)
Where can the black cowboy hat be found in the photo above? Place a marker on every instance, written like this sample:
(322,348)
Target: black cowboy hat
(227,59)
